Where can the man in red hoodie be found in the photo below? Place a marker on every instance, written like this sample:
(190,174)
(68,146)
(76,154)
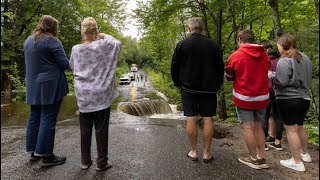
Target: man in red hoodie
(248,68)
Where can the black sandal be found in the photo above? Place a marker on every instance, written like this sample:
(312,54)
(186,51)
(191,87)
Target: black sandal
(192,158)
(208,160)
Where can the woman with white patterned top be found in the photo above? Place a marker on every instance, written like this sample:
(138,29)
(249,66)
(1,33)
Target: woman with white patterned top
(93,64)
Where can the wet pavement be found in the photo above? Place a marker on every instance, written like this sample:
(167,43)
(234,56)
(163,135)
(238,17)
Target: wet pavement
(137,151)
(139,148)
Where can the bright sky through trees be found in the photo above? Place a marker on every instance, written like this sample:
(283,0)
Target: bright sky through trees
(131,27)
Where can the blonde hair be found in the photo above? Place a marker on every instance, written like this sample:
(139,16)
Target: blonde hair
(89,26)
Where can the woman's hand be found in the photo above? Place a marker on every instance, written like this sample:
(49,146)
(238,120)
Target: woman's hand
(101,36)
(271,74)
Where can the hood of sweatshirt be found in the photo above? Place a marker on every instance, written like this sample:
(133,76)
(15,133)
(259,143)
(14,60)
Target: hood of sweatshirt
(254,50)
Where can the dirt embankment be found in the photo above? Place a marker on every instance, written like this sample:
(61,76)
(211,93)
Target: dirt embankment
(232,136)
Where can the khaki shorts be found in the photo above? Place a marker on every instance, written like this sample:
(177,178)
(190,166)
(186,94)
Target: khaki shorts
(250,115)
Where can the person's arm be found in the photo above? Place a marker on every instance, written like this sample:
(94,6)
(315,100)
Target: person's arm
(282,77)
(229,69)
(58,53)
(71,62)
(108,39)
(175,63)
(112,47)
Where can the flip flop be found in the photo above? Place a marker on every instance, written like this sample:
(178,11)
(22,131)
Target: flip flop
(208,160)
(192,158)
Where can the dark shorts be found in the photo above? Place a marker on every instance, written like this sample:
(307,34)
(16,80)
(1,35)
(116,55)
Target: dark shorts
(195,103)
(293,111)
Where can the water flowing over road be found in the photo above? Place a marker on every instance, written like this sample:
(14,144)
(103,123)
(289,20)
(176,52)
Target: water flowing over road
(140,147)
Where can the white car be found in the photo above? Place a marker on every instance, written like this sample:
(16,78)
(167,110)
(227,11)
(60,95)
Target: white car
(125,79)
(134,69)
(131,75)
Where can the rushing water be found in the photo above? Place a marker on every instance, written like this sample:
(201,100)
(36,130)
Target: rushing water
(145,107)
(138,99)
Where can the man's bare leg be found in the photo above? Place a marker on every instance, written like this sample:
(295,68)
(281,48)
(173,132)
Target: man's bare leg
(249,137)
(260,139)
(207,136)
(192,131)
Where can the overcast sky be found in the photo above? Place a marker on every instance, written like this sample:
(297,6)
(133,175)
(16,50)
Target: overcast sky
(131,24)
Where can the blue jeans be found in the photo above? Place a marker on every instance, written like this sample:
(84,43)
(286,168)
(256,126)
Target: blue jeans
(41,128)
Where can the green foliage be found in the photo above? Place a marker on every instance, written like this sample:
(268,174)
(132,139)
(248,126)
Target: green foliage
(165,86)
(131,53)
(21,17)
(232,120)
(70,77)
(164,23)
(18,85)
(313,133)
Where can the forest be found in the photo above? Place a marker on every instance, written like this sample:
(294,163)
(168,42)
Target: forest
(163,24)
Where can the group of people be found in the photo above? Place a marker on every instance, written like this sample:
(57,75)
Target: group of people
(265,86)
(260,87)
(93,63)
(139,77)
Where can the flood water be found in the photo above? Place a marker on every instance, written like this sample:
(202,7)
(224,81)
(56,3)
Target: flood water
(17,114)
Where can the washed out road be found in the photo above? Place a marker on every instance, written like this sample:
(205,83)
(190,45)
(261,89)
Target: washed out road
(139,148)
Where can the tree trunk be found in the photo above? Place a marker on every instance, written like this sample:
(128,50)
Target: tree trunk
(276,18)
(222,104)
(234,24)
(316,3)
(221,100)
(219,29)
(203,10)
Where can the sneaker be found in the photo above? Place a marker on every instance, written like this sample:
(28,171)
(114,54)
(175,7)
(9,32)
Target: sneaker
(86,166)
(249,162)
(263,163)
(270,139)
(306,157)
(276,146)
(107,166)
(35,158)
(266,148)
(53,160)
(292,165)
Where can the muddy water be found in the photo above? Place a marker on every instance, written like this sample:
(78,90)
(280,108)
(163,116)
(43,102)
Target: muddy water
(17,114)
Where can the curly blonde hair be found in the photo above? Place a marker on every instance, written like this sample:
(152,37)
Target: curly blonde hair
(89,26)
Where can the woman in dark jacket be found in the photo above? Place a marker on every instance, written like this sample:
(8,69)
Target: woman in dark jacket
(46,85)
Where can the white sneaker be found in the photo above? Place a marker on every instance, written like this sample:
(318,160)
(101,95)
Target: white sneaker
(306,157)
(292,165)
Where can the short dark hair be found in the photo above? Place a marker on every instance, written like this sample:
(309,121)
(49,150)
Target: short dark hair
(266,45)
(246,36)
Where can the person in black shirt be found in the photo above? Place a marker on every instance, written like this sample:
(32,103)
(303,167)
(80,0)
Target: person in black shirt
(197,69)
